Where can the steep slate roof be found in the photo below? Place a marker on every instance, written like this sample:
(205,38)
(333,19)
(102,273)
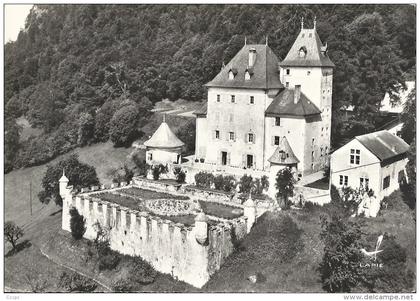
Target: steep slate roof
(314,57)
(202,111)
(164,138)
(283,104)
(284,146)
(383,144)
(265,70)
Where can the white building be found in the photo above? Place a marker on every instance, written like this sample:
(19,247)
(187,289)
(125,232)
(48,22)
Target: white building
(376,160)
(163,147)
(257,104)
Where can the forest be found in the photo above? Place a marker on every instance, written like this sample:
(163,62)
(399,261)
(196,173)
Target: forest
(82,74)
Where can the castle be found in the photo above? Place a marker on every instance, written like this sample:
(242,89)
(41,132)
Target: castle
(263,114)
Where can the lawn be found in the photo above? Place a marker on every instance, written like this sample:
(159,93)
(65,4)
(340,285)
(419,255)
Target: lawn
(150,194)
(221,210)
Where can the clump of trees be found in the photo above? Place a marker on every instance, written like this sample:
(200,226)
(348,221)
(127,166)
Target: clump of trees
(79,174)
(77,224)
(12,233)
(72,79)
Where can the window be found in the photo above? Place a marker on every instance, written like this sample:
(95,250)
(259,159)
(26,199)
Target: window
(150,156)
(287,84)
(217,134)
(303,35)
(251,100)
(308,73)
(288,71)
(277,121)
(364,182)
(312,155)
(313,141)
(231,136)
(344,180)
(247,75)
(322,151)
(355,156)
(232,98)
(386,182)
(218,98)
(251,138)
(276,140)
(310,35)
(231,75)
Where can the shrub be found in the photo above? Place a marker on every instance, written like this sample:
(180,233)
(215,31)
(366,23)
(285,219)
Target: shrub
(77,224)
(122,286)
(73,282)
(141,165)
(123,125)
(285,184)
(204,179)
(179,174)
(246,184)
(218,182)
(156,173)
(229,183)
(108,261)
(142,272)
(12,233)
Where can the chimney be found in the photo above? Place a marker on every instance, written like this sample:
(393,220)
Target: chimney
(252,56)
(297,94)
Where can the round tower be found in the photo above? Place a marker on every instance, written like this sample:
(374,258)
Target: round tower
(201,228)
(63,182)
(250,212)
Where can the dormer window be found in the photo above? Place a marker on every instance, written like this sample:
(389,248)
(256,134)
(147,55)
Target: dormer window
(248,73)
(232,73)
(302,51)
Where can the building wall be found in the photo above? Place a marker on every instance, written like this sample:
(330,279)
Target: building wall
(241,118)
(162,156)
(291,128)
(169,247)
(369,167)
(392,170)
(201,137)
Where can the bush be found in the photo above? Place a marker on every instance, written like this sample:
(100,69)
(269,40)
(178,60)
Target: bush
(77,224)
(123,125)
(204,179)
(229,183)
(122,286)
(142,272)
(218,182)
(141,165)
(108,261)
(179,174)
(73,282)
(246,184)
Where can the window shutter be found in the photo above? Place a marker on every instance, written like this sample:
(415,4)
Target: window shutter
(254,163)
(244,160)
(255,138)
(272,140)
(227,136)
(234,136)
(219,157)
(228,159)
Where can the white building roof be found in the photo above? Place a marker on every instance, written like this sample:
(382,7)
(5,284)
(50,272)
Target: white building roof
(164,138)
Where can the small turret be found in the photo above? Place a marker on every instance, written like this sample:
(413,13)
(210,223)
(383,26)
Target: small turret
(250,212)
(201,228)
(63,182)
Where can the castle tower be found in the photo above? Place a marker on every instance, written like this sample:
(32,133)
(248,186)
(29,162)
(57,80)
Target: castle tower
(63,182)
(308,67)
(164,146)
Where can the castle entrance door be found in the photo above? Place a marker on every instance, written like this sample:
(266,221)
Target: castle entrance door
(224,158)
(249,161)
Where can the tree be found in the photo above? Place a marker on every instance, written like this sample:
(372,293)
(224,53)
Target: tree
(408,116)
(187,135)
(123,126)
(79,174)
(86,129)
(339,268)
(285,182)
(12,233)
(11,143)
(245,184)
(77,224)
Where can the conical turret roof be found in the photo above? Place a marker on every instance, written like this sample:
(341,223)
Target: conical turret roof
(283,154)
(164,138)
